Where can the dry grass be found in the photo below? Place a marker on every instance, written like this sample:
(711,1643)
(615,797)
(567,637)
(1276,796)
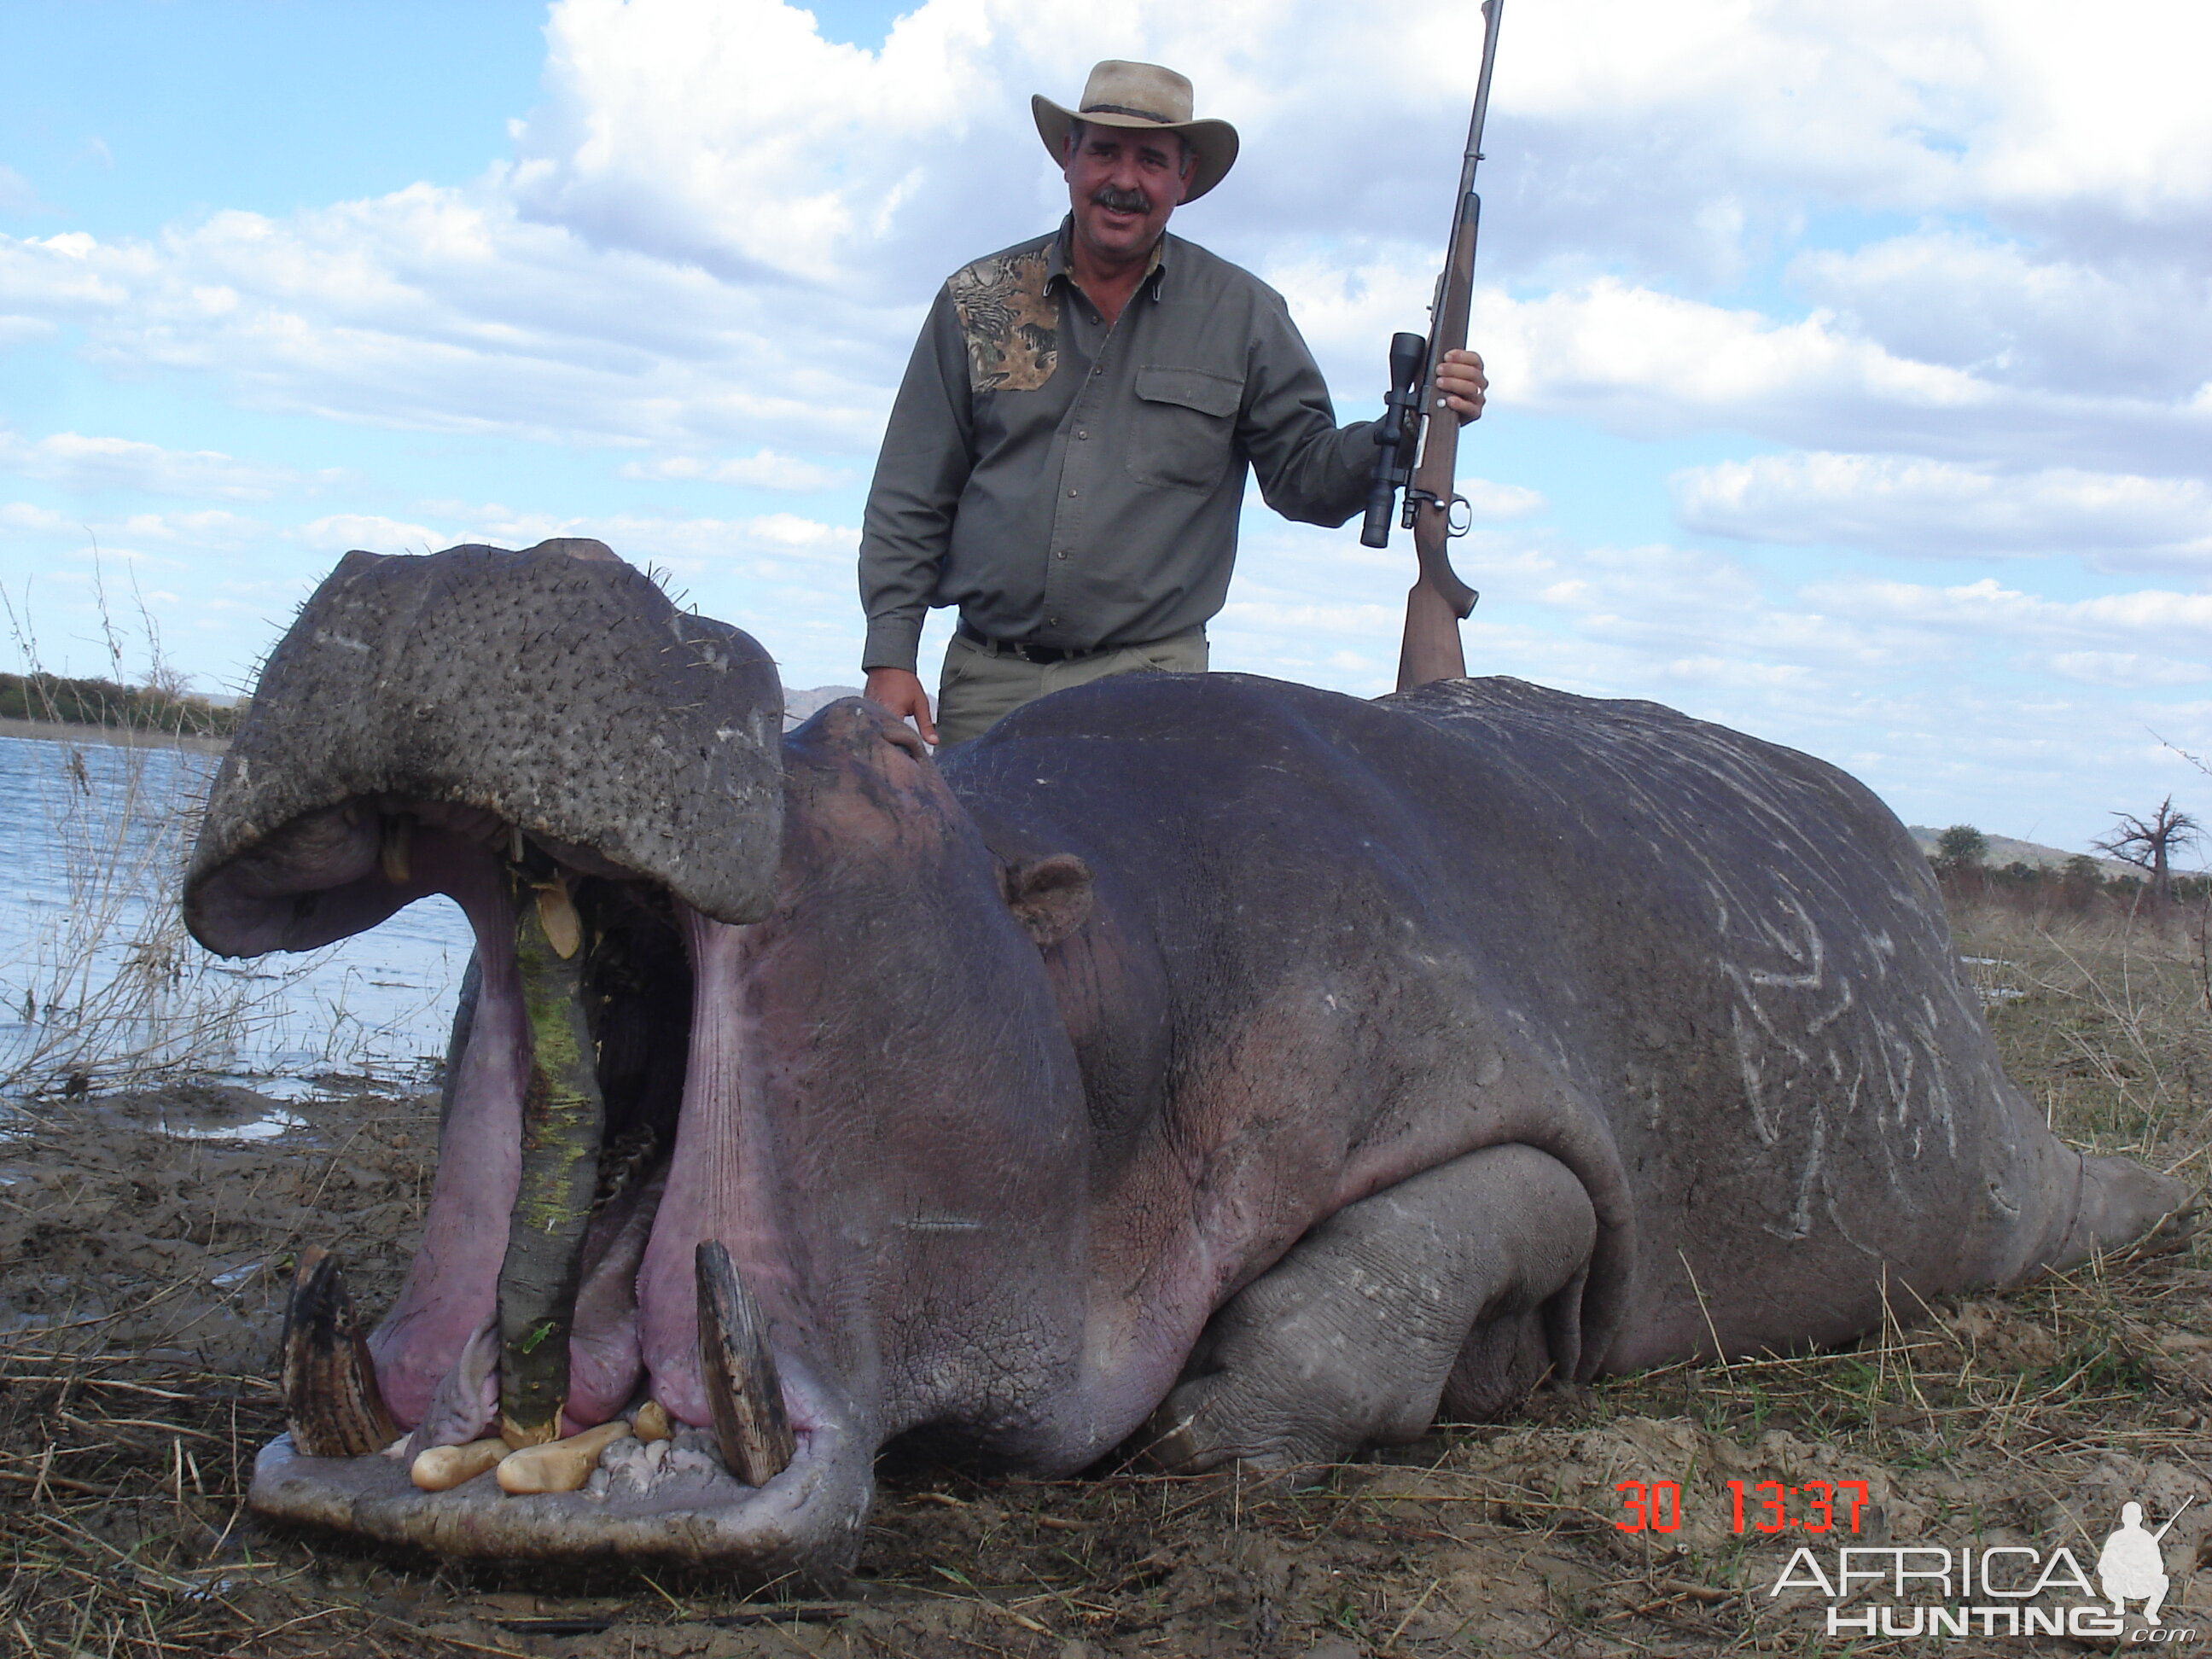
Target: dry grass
(2025,1417)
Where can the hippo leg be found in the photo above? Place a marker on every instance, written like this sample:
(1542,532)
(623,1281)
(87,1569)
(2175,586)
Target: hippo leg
(1433,1289)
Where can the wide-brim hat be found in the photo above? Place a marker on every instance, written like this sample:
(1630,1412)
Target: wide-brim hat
(1145,97)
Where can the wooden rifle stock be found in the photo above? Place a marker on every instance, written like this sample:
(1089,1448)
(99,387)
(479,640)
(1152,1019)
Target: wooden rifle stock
(1416,424)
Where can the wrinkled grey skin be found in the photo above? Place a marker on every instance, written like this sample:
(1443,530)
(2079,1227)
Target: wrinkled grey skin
(1211,1067)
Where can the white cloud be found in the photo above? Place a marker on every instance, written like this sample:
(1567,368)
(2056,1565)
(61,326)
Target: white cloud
(765,469)
(716,236)
(23,516)
(88,465)
(1935,509)
(439,309)
(335,534)
(713,205)
(2152,621)
(1489,500)
(2066,324)
(2128,668)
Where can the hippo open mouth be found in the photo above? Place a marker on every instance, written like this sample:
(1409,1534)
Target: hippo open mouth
(588,1286)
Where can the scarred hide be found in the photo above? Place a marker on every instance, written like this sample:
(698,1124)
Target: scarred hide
(1207,1067)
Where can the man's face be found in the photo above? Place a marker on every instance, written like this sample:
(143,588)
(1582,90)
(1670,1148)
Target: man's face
(1123,184)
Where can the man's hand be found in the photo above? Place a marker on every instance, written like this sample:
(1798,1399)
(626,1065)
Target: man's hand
(1460,384)
(900,690)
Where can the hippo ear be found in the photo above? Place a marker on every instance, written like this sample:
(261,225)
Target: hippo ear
(1050,897)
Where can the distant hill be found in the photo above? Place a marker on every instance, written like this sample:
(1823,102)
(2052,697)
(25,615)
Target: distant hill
(2004,850)
(798,705)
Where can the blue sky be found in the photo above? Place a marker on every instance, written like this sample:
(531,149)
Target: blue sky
(1853,366)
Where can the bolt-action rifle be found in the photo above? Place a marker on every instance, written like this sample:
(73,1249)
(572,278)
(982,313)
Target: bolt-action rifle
(1417,437)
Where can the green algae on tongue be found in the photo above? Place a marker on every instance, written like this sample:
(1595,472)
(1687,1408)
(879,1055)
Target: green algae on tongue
(563,1121)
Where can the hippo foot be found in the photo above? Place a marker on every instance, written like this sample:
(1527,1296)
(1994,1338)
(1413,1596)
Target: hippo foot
(1439,1289)
(806,1522)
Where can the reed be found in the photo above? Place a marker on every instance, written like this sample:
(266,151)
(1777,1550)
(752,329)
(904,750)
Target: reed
(111,990)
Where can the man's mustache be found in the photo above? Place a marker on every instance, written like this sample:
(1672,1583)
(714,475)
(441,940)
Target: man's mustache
(1122,201)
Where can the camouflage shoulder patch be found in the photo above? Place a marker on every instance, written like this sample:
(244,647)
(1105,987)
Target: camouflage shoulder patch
(1011,325)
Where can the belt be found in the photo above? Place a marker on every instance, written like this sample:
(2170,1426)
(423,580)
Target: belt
(1027,650)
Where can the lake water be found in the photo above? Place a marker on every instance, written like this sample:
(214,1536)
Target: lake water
(96,977)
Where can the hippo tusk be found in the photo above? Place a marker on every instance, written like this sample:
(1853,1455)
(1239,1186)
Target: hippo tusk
(441,1468)
(743,1388)
(395,851)
(331,1402)
(651,1423)
(559,1465)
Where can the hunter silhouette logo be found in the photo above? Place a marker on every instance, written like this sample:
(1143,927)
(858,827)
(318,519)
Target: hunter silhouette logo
(2132,1567)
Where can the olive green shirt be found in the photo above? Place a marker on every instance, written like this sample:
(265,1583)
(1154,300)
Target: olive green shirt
(1076,484)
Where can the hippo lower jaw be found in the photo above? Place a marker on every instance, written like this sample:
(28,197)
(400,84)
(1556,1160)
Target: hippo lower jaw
(806,1522)
(652,1174)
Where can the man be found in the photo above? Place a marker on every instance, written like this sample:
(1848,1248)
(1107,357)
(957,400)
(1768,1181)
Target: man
(1065,459)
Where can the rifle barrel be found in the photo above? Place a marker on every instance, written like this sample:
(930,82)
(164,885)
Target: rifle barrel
(1490,10)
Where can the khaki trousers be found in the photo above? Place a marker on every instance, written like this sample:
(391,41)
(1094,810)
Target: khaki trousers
(977,689)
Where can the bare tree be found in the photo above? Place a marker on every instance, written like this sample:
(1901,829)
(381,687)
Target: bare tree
(2150,844)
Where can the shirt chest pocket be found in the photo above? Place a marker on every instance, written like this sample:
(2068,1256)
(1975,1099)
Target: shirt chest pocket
(1184,426)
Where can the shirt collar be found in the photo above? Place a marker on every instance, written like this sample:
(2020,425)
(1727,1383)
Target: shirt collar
(1056,269)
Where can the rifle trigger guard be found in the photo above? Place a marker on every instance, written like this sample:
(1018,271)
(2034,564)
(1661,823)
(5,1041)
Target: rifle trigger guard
(1459,511)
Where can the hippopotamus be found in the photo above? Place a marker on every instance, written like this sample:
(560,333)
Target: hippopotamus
(1192,1069)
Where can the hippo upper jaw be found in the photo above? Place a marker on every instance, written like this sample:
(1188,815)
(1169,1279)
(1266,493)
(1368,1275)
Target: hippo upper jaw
(557,690)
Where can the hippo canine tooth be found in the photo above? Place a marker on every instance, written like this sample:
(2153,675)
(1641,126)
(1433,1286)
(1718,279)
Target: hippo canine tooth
(395,851)
(556,914)
(331,1402)
(743,1388)
(559,1465)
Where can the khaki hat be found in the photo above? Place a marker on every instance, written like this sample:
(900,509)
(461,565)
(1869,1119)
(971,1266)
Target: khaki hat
(1147,97)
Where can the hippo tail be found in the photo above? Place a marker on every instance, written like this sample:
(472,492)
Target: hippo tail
(2113,1204)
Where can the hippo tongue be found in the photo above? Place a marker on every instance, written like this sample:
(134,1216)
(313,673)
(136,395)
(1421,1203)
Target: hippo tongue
(563,1119)
(517,1163)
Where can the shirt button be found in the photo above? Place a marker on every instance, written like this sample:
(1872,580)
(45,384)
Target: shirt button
(1096,373)
(1052,622)
(1072,495)
(1061,554)
(1081,433)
